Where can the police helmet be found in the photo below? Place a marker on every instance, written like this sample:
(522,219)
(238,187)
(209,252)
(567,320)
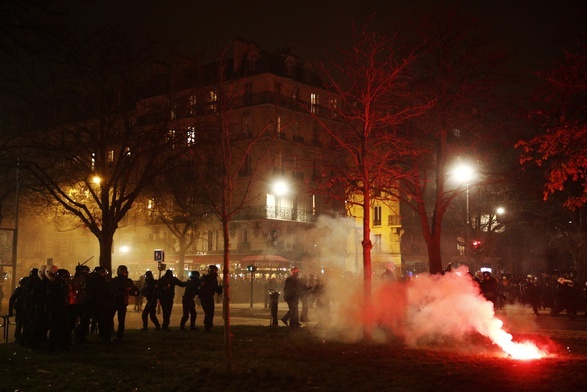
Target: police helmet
(41,271)
(51,272)
(122,271)
(62,274)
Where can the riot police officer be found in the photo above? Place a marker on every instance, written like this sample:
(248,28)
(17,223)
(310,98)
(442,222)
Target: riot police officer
(188,302)
(209,288)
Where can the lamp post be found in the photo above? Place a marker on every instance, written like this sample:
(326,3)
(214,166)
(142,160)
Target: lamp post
(252,268)
(464,173)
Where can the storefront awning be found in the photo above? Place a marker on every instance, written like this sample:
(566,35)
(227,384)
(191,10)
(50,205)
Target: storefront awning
(266,261)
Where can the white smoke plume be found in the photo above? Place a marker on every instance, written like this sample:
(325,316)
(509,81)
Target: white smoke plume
(427,310)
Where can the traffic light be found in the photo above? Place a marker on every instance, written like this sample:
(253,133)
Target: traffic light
(273,237)
(476,245)
(251,268)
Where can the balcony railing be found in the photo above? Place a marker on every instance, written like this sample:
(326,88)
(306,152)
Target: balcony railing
(276,213)
(183,110)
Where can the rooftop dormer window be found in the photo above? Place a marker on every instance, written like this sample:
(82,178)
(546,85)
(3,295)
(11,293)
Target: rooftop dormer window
(252,59)
(290,65)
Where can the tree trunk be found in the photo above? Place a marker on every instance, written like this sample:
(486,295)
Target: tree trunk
(226,298)
(106,240)
(434,256)
(367,268)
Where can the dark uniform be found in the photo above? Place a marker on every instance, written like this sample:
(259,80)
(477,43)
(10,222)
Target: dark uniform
(292,292)
(166,294)
(78,303)
(38,314)
(100,303)
(149,292)
(188,302)
(121,287)
(16,307)
(56,307)
(489,288)
(29,313)
(208,289)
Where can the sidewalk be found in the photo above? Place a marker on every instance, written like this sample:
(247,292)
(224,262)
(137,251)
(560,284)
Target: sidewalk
(240,314)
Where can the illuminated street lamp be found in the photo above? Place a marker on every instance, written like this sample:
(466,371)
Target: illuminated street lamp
(463,174)
(280,188)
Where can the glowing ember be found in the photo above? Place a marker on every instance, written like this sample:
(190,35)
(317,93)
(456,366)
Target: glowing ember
(521,351)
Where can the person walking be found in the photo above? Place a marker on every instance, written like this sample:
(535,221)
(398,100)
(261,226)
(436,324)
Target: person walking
(16,307)
(78,304)
(122,287)
(188,302)
(208,289)
(100,302)
(56,307)
(149,292)
(489,287)
(166,294)
(292,292)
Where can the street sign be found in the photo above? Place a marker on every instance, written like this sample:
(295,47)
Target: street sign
(159,255)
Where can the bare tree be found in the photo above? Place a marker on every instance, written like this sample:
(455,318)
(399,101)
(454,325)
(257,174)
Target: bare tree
(99,148)
(372,84)
(223,161)
(458,67)
(179,203)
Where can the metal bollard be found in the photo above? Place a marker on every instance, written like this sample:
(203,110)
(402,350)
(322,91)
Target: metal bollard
(273,305)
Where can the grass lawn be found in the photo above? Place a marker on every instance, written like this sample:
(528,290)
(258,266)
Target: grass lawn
(281,359)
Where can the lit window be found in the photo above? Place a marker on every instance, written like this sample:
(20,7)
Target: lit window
(212,101)
(334,106)
(110,156)
(314,102)
(171,137)
(377,216)
(193,103)
(191,136)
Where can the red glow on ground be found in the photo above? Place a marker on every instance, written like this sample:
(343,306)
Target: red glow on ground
(521,351)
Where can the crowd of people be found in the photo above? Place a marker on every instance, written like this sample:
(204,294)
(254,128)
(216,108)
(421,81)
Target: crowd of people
(556,293)
(54,309)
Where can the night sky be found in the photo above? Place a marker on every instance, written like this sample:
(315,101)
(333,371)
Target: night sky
(535,30)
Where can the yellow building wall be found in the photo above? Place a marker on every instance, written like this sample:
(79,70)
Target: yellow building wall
(385,236)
